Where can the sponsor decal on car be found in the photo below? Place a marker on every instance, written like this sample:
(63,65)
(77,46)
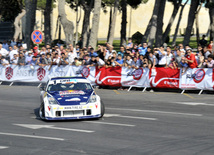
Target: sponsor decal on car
(67,92)
(73,99)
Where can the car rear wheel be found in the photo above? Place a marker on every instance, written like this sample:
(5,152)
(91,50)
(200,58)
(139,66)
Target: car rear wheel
(102,109)
(42,111)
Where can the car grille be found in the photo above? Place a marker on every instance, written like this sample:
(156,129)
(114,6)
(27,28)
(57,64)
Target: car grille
(73,113)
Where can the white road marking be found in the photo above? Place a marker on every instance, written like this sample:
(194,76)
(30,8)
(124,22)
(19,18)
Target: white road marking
(111,115)
(3,147)
(33,126)
(145,118)
(107,123)
(152,111)
(194,103)
(31,136)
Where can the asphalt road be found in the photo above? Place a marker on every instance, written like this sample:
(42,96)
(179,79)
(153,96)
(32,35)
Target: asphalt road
(134,123)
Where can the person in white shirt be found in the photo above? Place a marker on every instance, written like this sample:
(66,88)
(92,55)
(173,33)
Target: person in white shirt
(4,62)
(109,52)
(14,51)
(100,62)
(71,54)
(3,51)
(15,59)
(162,57)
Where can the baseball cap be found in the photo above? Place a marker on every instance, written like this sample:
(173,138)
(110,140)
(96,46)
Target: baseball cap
(95,54)
(35,48)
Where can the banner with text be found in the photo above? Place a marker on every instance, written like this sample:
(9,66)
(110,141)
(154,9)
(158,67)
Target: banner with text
(197,78)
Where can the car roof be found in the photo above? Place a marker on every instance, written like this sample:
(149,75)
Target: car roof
(72,77)
(69,79)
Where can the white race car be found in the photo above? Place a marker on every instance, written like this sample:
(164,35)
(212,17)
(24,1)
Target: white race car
(69,98)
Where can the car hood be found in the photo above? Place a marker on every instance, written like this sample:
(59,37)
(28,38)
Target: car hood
(71,97)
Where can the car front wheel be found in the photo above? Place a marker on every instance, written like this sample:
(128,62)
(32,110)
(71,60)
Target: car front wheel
(42,111)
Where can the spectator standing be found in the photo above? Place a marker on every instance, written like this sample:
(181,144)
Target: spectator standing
(14,51)
(162,57)
(184,65)
(142,49)
(203,41)
(100,62)
(128,61)
(63,60)
(5,45)
(42,61)
(181,48)
(71,54)
(178,58)
(135,64)
(122,51)
(200,59)
(28,58)
(3,51)
(153,59)
(21,61)
(169,58)
(33,62)
(4,62)
(119,61)
(14,60)
(190,58)
(206,52)
(209,63)
(130,43)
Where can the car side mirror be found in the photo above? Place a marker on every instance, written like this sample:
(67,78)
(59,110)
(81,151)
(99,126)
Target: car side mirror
(42,88)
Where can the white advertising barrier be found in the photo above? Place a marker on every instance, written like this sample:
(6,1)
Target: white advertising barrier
(21,73)
(135,77)
(83,71)
(197,78)
(32,74)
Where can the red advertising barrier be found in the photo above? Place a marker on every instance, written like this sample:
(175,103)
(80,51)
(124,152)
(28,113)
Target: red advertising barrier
(108,76)
(164,78)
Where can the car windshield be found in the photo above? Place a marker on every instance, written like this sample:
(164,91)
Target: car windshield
(69,86)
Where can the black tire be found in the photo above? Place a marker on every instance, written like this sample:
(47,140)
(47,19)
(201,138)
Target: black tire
(42,111)
(102,109)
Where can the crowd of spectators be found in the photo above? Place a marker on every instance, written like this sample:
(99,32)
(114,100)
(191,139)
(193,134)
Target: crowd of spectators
(131,56)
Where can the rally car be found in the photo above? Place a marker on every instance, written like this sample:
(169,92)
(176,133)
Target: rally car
(69,98)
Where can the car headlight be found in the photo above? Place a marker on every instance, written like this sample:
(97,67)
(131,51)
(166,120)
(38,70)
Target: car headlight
(51,100)
(93,99)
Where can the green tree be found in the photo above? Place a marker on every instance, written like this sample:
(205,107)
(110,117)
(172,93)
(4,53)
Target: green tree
(9,9)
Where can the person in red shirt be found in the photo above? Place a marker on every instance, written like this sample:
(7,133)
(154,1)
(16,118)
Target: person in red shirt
(190,58)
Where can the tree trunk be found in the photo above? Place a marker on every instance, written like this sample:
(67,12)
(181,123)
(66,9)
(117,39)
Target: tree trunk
(191,19)
(47,15)
(67,25)
(210,30)
(154,23)
(159,32)
(123,23)
(178,23)
(78,17)
(197,24)
(148,29)
(85,26)
(30,7)
(17,24)
(113,23)
(174,13)
(109,25)
(95,24)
